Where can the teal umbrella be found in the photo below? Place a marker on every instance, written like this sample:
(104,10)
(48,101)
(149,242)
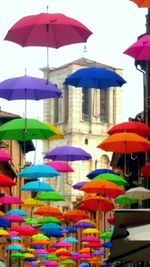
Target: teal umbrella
(37,186)
(37,171)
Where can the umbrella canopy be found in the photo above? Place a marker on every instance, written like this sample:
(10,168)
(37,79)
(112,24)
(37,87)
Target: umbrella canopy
(37,186)
(142,3)
(139,193)
(48,211)
(96,172)
(106,235)
(58,133)
(14,218)
(94,77)
(10,200)
(48,219)
(6,181)
(24,230)
(117,179)
(90,231)
(19,212)
(124,200)
(75,215)
(125,143)
(30,221)
(84,224)
(37,171)
(139,128)
(98,203)
(60,166)
(50,196)
(14,247)
(62,244)
(140,49)
(67,153)
(4,156)
(3,232)
(4,222)
(71,239)
(39,236)
(79,185)
(24,130)
(31,202)
(89,238)
(103,187)
(46,30)
(145,169)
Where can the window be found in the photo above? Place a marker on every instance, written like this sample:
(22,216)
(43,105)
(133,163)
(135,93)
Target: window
(86,104)
(66,102)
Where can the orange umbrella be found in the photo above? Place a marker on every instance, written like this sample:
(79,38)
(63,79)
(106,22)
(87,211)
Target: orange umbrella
(99,203)
(48,211)
(40,242)
(103,187)
(75,215)
(142,3)
(62,252)
(125,143)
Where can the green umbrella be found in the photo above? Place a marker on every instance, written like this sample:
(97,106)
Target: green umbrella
(16,255)
(106,235)
(124,200)
(48,219)
(24,130)
(68,262)
(50,196)
(40,236)
(30,221)
(117,179)
(52,257)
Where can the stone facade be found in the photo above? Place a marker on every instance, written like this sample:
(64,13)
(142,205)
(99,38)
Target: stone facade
(82,130)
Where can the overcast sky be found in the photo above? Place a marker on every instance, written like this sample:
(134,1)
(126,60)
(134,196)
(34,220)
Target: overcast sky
(115,24)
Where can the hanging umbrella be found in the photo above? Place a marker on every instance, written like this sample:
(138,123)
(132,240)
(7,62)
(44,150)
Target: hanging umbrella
(67,153)
(94,77)
(140,49)
(31,202)
(68,262)
(125,143)
(89,238)
(62,244)
(19,212)
(4,156)
(60,166)
(103,187)
(58,133)
(117,179)
(90,231)
(6,181)
(71,239)
(17,255)
(14,218)
(39,236)
(30,221)
(124,200)
(4,222)
(27,87)
(98,203)
(15,238)
(84,224)
(50,196)
(139,193)
(139,128)
(51,226)
(48,219)
(14,247)
(142,3)
(106,235)
(10,200)
(3,232)
(145,169)
(12,234)
(48,211)
(24,230)
(37,186)
(79,185)
(24,130)
(37,171)
(75,215)
(96,172)
(2,213)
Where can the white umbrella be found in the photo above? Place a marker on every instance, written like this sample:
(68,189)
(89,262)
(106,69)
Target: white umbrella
(139,193)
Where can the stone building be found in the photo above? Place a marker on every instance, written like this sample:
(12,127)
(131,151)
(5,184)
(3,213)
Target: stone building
(84,116)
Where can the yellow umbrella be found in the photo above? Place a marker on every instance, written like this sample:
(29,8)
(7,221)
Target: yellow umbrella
(90,231)
(3,232)
(58,134)
(31,202)
(28,255)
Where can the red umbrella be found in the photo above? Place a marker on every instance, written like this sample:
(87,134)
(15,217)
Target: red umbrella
(142,3)
(98,203)
(145,169)
(49,30)
(75,215)
(6,181)
(25,230)
(139,128)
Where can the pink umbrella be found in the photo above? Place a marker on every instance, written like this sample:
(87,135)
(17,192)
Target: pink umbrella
(40,251)
(60,166)
(4,156)
(12,234)
(89,238)
(10,200)
(62,244)
(14,218)
(140,50)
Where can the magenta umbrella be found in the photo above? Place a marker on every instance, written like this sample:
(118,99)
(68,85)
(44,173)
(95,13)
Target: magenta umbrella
(60,166)
(4,156)
(140,50)
(10,200)
(89,238)
(67,153)
(62,244)
(14,218)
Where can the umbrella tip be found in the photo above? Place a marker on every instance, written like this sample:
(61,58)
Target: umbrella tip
(25,71)
(47,8)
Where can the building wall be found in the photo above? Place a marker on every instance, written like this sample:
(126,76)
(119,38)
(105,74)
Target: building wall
(76,130)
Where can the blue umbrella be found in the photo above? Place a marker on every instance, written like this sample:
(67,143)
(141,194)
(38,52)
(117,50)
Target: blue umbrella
(69,229)
(15,238)
(94,77)
(37,186)
(4,222)
(107,244)
(37,171)
(51,226)
(71,239)
(16,212)
(14,247)
(84,264)
(96,172)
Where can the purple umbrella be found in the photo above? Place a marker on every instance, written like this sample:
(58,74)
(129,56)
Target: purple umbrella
(67,153)
(79,185)
(27,87)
